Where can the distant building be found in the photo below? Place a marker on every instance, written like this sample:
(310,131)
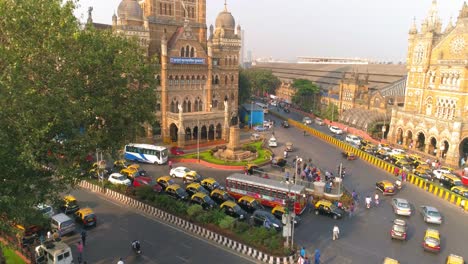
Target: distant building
(434,118)
(327,60)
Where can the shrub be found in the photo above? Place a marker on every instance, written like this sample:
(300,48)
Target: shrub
(164,202)
(194,210)
(227,222)
(240,227)
(203,217)
(144,193)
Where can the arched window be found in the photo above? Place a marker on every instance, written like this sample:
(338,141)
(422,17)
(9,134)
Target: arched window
(176,81)
(225,61)
(429,106)
(192,52)
(232,97)
(232,79)
(182,81)
(225,80)
(173,107)
(216,79)
(160,8)
(230,61)
(170,80)
(200,105)
(182,52)
(165,9)
(235,60)
(189,106)
(187,51)
(195,109)
(170,9)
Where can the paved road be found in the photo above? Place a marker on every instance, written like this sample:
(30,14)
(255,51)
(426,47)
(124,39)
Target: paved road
(365,238)
(118,226)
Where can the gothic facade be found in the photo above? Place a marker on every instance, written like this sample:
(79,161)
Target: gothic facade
(198,91)
(434,118)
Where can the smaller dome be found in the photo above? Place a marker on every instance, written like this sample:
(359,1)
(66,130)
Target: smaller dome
(130,10)
(226,20)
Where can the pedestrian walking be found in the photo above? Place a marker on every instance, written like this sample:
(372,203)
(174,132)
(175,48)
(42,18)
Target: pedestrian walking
(170,165)
(376,199)
(317,256)
(79,247)
(336,232)
(83,237)
(300,260)
(286,176)
(303,252)
(306,260)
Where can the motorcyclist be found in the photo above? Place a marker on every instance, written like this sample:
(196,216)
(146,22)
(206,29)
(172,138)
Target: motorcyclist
(368,201)
(136,246)
(376,198)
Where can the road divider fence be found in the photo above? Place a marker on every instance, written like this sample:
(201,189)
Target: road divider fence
(429,186)
(188,226)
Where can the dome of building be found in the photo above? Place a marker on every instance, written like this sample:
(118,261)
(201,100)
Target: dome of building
(226,20)
(130,10)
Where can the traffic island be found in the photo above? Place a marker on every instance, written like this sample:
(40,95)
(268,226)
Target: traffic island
(265,246)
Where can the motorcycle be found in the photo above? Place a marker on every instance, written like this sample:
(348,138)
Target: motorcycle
(398,184)
(136,247)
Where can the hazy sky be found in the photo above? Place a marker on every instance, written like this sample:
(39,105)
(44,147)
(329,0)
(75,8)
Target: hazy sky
(285,29)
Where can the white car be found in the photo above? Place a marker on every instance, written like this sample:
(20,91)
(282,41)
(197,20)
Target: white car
(117,178)
(353,140)
(438,173)
(306,120)
(396,152)
(272,142)
(46,209)
(336,130)
(401,206)
(179,172)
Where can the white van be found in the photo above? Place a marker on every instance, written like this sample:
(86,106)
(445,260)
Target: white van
(62,223)
(353,140)
(272,142)
(54,252)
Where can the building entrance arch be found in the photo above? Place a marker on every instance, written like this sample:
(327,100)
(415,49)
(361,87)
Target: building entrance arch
(421,141)
(433,146)
(203,134)
(444,148)
(211,132)
(463,149)
(188,134)
(409,138)
(399,136)
(174,130)
(218,131)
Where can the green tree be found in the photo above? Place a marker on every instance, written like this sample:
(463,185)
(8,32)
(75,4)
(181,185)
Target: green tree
(262,81)
(64,91)
(330,112)
(244,87)
(306,94)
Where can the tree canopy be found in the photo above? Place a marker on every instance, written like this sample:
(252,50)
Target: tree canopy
(260,81)
(306,94)
(64,91)
(245,89)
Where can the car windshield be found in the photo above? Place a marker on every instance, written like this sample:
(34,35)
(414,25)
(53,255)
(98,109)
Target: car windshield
(431,240)
(403,205)
(433,213)
(457,183)
(180,192)
(255,203)
(120,178)
(207,199)
(46,209)
(227,197)
(399,228)
(237,208)
(215,185)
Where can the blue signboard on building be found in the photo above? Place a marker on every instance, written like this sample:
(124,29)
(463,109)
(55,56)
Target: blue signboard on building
(180,60)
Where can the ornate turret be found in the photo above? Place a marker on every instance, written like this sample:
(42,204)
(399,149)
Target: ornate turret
(463,12)
(413,29)
(225,23)
(433,21)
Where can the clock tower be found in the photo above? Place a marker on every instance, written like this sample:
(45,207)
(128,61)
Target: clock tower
(433,120)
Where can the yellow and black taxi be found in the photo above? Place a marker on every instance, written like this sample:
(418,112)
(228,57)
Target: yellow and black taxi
(176,192)
(460,190)
(203,199)
(120,164)
(249,204)
(431,241)
(98,167)
(221,196)
(254,169)
(388,260)
(327,208)
(399,229)
(454,259)
(278,211)
(349,155)
(192,176)
(86,217)
(449,180)
(386,187)
(371,149)
(165,181)
(447,168)
(69,204)
(195,187)
(404,164)
(365,142)
(132,171)
(424,173)
(28,235)
(232,209)
(210,184)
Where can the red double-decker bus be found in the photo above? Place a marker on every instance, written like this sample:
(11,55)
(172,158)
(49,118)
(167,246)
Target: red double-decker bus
(269,192)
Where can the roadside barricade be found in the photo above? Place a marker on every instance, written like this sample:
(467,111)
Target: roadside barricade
(390,168)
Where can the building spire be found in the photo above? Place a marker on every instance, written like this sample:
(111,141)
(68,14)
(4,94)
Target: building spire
(463,11)
(413,29)
(225,6)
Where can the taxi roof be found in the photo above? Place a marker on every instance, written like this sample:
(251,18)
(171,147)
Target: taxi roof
(228,203)
(451,176)
(199,194)
(209,180)
(461,188)
(432,233)
(390,261)
(194,185)
(454,259)
(69,198)
(192,172)
(386,182)
(166,178)
(134,165)
(86,211)
(324,202)
(218,191)
(173,186)
(278,208)
(247,198)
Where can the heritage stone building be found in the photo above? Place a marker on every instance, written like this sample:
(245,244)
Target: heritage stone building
(434,118)
(198,91)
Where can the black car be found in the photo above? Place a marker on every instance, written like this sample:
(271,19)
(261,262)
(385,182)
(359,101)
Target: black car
(426,174)
(177,192)
(265,219)
(232,209)
(285,124)
(221,196)
(204,200)
(249,204)
(329,209)
(286,110)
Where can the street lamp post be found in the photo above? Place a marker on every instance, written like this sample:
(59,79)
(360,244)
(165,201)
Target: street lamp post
(198,125)
(298,160)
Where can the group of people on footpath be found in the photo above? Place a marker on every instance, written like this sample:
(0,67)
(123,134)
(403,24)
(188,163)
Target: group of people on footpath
(304,258)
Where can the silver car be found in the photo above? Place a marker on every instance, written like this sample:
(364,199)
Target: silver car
(401,206)
(431,215)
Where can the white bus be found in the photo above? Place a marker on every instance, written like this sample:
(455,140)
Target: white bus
(146,153)
(264,107)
